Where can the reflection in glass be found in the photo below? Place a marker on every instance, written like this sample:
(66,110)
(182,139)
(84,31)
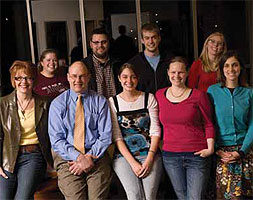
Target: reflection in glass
(229,18)
(124,42)
(14,40)
(55,26)
(57,38)
(226,17)
(174,20)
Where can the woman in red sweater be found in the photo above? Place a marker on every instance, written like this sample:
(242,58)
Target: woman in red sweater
(204,71)
(188,138)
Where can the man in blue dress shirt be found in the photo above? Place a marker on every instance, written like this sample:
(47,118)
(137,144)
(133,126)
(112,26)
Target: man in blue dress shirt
(88,175)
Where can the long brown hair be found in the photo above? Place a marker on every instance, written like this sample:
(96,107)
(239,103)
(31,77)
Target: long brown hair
(222,62)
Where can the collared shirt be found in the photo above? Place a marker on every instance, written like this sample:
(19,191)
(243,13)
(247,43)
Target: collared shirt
(153,61)
(234,115)
(98,126)
(104,78)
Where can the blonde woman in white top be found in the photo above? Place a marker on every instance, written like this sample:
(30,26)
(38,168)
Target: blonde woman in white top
(136,133)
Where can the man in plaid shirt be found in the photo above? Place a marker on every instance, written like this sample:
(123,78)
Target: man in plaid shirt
(104,68)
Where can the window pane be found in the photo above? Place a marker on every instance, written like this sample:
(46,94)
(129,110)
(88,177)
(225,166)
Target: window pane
(174,20)
(225,16)
(56,26)
(228,17)
(121,13)
(15,43)
(56,38)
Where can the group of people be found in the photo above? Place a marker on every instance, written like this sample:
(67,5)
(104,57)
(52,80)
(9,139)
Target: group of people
(135,106)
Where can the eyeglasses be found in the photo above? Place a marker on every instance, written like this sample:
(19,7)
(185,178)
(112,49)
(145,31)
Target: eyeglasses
(26,78)
(103,42)
(214,42)
(75,77)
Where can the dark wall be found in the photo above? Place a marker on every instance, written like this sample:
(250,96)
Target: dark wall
(14,39)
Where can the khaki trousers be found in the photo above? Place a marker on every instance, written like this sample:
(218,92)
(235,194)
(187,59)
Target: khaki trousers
(93,185)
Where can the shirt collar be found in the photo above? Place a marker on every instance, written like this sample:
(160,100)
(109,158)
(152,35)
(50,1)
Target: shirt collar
(74,95)
(236,90)
(153,57)
(100,63)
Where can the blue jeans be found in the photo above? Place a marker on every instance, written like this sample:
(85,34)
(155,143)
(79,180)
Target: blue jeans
(188,173)
(29,170)
(139,188)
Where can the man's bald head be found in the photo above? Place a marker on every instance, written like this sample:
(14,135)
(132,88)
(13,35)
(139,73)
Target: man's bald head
(78,77)
(78,64)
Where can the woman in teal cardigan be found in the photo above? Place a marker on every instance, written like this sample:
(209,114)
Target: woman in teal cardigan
(234,118)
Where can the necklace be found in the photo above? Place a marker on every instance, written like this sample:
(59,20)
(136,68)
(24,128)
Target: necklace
(179,94)
(24,108)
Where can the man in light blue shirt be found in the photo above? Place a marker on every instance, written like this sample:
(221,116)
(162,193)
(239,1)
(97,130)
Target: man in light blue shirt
(151,64)
(77,172)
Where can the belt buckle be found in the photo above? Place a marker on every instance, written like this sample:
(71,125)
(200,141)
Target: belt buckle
(28,149)
(21,150)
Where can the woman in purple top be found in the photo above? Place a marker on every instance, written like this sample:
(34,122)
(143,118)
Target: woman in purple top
(50,81)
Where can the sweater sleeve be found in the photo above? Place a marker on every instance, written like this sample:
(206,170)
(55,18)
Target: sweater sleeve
(207,112)
(193,78)
(248,140)
(155,129)
(116,132)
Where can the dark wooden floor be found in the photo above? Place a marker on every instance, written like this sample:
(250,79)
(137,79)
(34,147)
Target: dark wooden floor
(49,190)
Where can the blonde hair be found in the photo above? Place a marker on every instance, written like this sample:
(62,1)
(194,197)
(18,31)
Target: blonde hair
(207,66)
